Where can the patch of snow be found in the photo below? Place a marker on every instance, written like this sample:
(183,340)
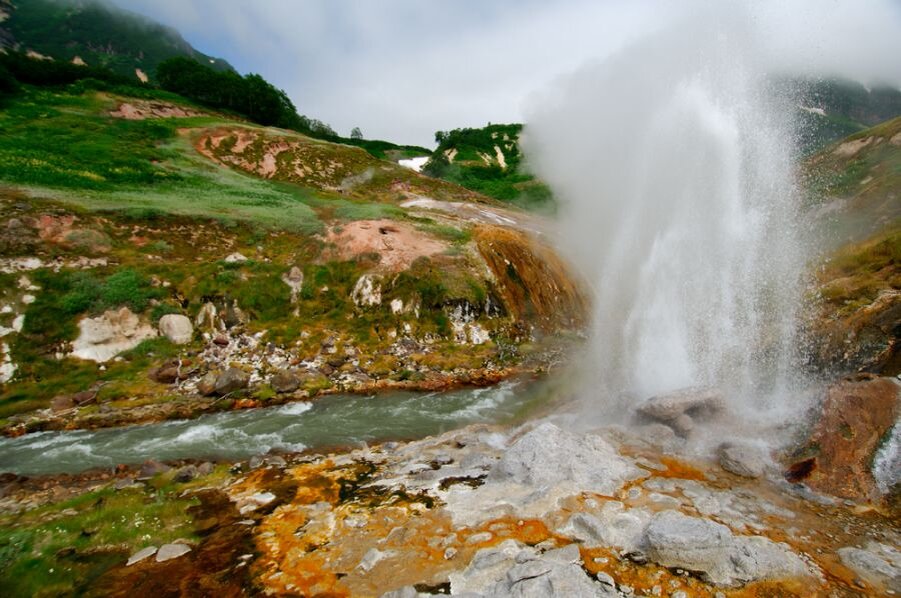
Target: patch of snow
(813,110)
(414,163)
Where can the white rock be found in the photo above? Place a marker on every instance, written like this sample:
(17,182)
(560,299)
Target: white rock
(367,292)
(19,322)
(878,564)
(102,338)
(141,555)
(171,551)
(235,258)
(177,328)
(294,280)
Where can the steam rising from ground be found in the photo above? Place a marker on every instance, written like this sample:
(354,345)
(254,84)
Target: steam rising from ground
(673,161)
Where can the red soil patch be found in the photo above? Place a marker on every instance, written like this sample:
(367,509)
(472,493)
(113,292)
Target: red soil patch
(397,243)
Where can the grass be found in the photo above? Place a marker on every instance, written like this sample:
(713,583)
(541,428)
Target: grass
(59,549)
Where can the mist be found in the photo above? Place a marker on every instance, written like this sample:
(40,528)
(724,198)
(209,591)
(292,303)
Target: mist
(673,161)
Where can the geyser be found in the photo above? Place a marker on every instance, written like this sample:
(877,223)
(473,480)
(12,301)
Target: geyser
(673,161)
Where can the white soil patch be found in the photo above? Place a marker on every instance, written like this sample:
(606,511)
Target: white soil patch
(500,157)
(397,243)
(850,148)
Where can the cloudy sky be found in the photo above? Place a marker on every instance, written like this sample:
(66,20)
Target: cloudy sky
(402,69)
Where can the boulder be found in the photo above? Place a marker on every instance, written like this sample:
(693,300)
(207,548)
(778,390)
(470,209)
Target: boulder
(367,292)
(682,408)
(152,468)
(168,552)
(235,258)
(185,474)
(877,564)
(743,459)
(102,338)
(856,416)
(704,546)
(141,555)
(614,526)
(206,386)
(61,403)
(177,328)
(285,381)
(231,380)
(548,456)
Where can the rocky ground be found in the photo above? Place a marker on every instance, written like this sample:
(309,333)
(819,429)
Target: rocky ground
(538,510)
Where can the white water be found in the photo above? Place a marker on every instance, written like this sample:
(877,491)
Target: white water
(673,164)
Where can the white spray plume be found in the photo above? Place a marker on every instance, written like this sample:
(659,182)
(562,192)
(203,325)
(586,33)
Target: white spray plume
(674,165)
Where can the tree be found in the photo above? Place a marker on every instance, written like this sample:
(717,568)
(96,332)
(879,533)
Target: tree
(356,133)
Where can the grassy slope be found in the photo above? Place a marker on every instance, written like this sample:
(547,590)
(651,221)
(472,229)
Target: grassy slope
(158,210)
(858,201)
(475,166)
(101,35)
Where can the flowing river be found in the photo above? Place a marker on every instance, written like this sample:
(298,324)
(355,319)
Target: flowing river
(329,421)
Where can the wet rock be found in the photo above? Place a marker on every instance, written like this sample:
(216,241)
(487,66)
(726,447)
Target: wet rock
(856,416)
(743,460)
(168,552)
(285,381)
(231,380)
(682,408)
(177,328)
(548,455)
(152,468)
(141,555)
(102,338)
(707,547)
(877,564)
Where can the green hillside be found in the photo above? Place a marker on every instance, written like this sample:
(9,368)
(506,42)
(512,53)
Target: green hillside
(96,33)
(488,160)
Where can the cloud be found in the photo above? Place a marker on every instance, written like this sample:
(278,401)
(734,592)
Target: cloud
(401,69)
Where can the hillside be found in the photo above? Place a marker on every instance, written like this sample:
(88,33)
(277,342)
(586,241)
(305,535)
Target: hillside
(489,160)
(295,267)
(95,33)
(830,109)
(855,208)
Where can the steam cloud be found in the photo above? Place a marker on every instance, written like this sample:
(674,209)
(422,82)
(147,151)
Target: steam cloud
(673,160)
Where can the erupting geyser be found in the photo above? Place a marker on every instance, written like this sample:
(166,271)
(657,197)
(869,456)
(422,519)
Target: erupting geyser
(673,161)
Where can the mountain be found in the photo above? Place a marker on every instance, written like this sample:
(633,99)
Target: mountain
(489,160)
(830,109)
(94,33)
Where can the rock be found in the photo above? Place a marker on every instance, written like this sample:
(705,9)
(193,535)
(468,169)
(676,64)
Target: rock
(294,280)
(206,386)
(168,552)
(221,340)
(615,526)
(152,468)
(742,459)
(284,381)
(177,328)
(231,380)
(856,416)
(680,409)
(404,592)
(141,555)
(372,558)
(102,338)
(548,456)
(61,403)
(367,292)
(509,570)
(206,317)
(707,547)
(205,468)
(234,258)
(185,474)
(877,564)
